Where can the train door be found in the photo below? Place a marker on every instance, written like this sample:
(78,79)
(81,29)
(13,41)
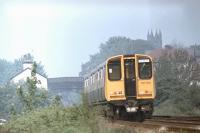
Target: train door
(145,79)
(130,81)
(114,83)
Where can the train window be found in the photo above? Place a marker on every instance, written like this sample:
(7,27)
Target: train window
(129,68)
(85,83)
(88,82)
(102,72)
(145,68)
(114,70)
(98,75)
(91,80)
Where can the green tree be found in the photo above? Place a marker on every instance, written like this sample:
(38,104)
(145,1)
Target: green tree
(176,83)
(8,98)
(30,96)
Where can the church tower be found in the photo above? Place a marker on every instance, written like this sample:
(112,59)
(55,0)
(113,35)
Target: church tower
(155,39)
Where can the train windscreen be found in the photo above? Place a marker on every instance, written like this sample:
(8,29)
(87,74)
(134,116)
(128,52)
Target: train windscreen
(114,70)
(145,68)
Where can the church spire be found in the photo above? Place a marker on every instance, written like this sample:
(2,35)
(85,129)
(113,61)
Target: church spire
(151,33)
(155,38)
(160,33)
(148,35)
(156,34)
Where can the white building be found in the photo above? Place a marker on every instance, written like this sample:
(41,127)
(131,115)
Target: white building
(22,76)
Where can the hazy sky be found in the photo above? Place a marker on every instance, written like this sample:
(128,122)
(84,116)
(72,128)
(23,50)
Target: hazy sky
(62,34)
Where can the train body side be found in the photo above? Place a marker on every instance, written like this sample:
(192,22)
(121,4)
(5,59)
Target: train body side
(95,85)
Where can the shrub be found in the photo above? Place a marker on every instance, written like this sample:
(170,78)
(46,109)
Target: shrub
(57,118)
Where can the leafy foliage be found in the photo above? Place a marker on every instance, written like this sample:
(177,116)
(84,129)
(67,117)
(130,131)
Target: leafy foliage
(17,99)
(52,119)
(7,70)
(8,100)
(29,96)
(177,85)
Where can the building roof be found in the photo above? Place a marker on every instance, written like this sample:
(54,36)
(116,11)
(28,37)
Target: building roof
(22,72)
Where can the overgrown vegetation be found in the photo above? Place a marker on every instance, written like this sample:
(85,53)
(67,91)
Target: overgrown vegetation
(22,97)
(178,83)
(39,116)
(57,118)
(8,100)
(30,96)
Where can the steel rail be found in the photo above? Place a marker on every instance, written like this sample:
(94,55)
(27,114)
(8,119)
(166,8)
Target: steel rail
(188,124)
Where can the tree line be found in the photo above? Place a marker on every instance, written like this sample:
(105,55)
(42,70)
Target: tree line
(115,46)
(177,73)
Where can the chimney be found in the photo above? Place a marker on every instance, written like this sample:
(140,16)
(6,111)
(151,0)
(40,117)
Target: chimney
(27,64)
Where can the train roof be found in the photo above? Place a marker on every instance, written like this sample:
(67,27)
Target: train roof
(104,63)
(94,70)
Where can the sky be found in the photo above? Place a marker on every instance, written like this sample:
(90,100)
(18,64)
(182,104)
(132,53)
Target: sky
(62,34)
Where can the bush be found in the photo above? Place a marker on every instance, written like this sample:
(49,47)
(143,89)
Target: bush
(57,118)
(47,120)
(177,84)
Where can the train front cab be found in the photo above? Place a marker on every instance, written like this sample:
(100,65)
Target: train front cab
(130,83)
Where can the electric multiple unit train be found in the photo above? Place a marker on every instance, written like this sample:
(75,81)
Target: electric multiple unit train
(124,84)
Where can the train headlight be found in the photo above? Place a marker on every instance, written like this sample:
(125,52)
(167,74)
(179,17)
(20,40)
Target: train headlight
(131,109)
(128,109)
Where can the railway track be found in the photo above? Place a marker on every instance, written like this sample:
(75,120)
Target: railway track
(167,123)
